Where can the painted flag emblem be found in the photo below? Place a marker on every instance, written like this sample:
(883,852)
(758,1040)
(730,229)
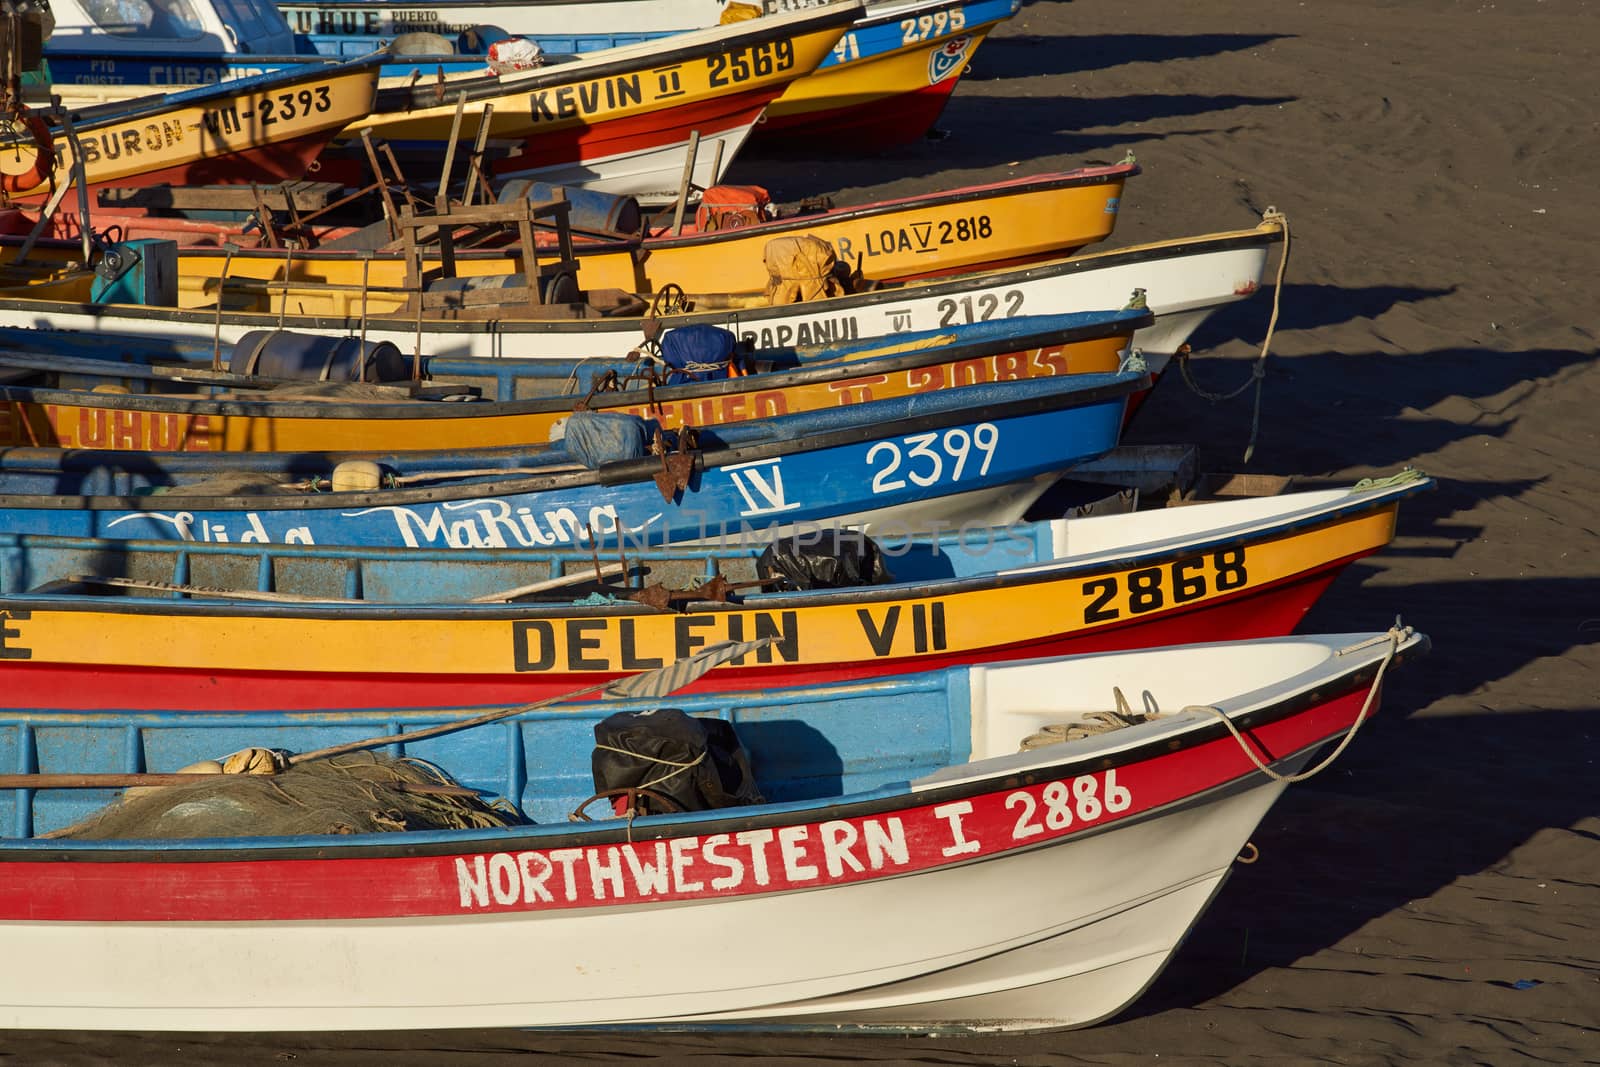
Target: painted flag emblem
(948,59)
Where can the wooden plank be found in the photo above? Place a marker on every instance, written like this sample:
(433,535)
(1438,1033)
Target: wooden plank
(307,195)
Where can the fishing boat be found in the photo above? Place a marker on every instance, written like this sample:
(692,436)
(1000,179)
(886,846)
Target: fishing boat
(996,224)
(1185,280)
(1002,889)
(56,400)
(266,128)
(959,455)
(204,625)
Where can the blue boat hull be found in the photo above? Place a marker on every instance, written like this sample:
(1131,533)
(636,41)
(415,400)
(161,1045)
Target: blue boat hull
(973,455)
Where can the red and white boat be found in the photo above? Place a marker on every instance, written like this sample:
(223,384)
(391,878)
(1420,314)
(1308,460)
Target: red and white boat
(910,869)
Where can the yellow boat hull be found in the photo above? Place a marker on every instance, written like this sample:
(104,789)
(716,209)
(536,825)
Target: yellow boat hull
(1020,221)
(1249,583)
(259,133)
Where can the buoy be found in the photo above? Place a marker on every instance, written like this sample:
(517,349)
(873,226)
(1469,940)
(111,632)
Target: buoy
(357,476)
(44,160)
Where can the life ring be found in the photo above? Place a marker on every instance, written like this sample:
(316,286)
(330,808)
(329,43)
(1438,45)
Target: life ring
(44,160)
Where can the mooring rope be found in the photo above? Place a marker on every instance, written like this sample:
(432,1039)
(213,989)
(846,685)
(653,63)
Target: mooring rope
(1258,370)
(1394,637)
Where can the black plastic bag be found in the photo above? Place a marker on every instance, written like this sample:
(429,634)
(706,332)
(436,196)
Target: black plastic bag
(696,763)
(833,562)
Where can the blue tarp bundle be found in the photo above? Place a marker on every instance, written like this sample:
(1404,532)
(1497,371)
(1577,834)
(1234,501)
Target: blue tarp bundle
(596,437)
(697,353)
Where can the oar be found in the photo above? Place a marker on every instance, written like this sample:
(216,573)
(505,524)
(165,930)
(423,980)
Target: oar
(654,683)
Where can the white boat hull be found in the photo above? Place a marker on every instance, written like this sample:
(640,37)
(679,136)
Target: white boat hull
(650,175)
(1065,936)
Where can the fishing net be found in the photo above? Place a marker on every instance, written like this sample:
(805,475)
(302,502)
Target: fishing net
(354,793)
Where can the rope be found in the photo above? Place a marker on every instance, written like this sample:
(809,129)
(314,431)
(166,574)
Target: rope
(1088,725)
(1396,634)
(655,759)
(1406,476)
(1258,370)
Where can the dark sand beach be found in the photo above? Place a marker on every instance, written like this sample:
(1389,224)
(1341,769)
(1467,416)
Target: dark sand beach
(1434,897)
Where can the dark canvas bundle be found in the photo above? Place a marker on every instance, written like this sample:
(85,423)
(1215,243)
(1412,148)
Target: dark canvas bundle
(697,763)
(830,563)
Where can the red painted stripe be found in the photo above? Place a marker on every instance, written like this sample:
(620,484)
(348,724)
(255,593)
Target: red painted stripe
(1270,611)
(864,126)
(663,128)
(990,824)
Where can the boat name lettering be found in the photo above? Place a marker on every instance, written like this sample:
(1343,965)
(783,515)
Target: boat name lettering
(753,61)
(286,107)
(980,308)
(815,332)
(1083,799)
(612,645)
(760,483)
(153,431)
(363,23)
(776,859)
(1006,367)
(187,528)
(927,27)
(924,631)
(8,648)
(174,74)
(743,862)
(132,140)
(1154,588)
(925,464)
(920,237)
(712,410)
(585,98)
(492,523)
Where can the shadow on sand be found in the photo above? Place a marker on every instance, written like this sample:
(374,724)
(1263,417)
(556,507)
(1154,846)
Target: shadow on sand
(1008,54)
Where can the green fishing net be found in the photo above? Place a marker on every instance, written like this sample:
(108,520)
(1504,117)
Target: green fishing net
(354,793)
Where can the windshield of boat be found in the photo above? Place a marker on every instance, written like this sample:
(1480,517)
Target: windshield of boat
(153,18)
